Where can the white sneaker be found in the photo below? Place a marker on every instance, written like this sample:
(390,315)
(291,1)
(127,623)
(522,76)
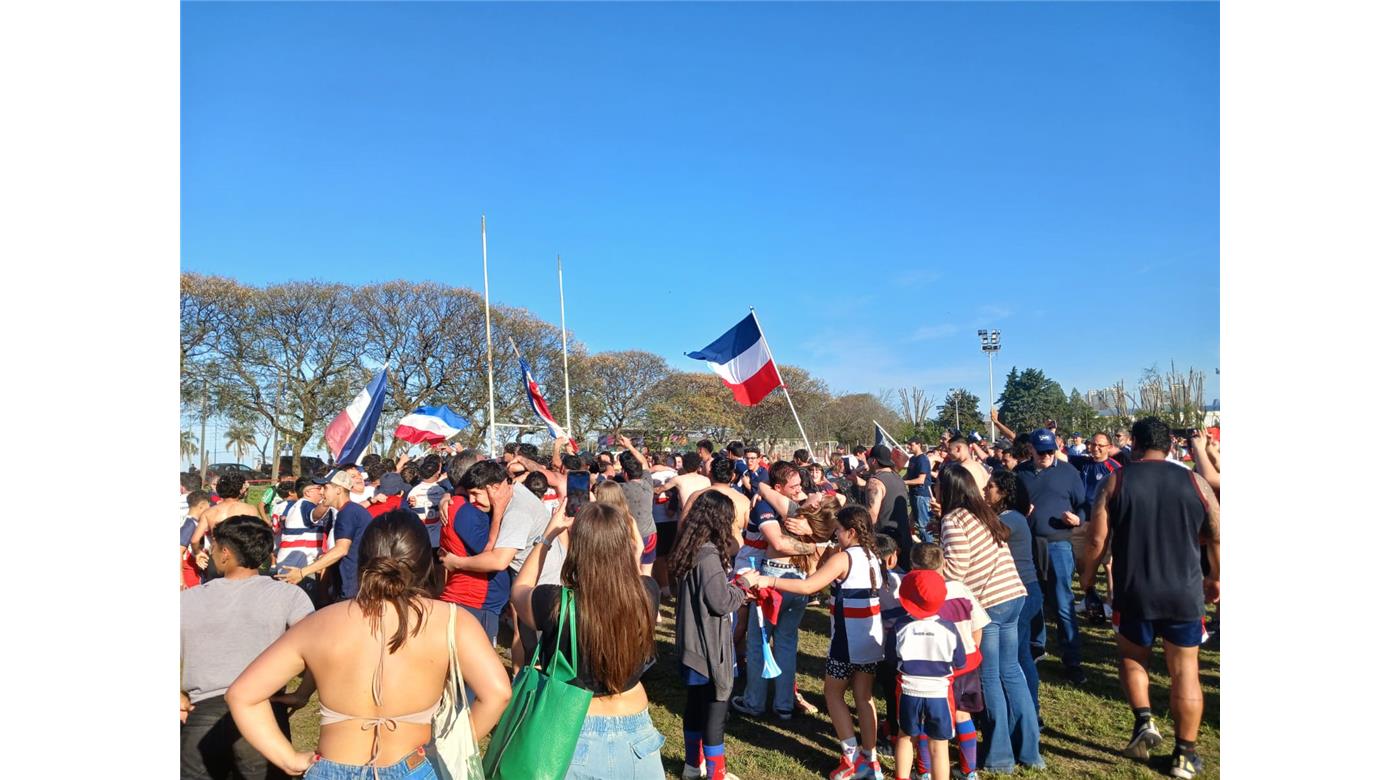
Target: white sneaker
(693,772)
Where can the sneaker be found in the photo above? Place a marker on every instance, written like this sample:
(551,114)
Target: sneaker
(1185,766)
(925,776)
(867,769)
(843,771)
(693,772)
(1144,739)
(958,774)
(737,704)
(784,716)
(1037,653)
(1076,675)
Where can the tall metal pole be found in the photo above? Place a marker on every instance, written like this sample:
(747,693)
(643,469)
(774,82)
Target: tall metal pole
(781,383)
(564,334)
(490,371)
(991,396)
(957,412)
(203,421)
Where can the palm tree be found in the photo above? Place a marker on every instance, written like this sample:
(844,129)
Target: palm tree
(189,444)
(240,438)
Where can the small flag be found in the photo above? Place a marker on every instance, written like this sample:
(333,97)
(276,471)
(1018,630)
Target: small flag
(537,403)
(743,362)
(897,453)
(429,425)
(350,432)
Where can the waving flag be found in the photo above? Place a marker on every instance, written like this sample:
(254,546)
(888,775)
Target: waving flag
(743,362)
(897,453)
(429,425)
(350,432)
(537,403)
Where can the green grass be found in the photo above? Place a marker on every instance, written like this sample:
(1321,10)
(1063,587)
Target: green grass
(1084,727)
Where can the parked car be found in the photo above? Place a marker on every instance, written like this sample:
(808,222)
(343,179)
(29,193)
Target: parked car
(310,466)
(220,469)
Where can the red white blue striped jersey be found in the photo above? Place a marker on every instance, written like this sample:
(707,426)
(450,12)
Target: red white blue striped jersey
(755,545)
(302,539)
(857,635)
(929,650)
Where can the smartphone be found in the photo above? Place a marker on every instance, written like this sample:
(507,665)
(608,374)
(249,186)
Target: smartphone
(577,495)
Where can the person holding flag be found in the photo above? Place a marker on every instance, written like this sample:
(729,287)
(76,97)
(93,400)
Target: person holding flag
(350,433)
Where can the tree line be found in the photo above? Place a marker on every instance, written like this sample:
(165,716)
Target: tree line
(282,360)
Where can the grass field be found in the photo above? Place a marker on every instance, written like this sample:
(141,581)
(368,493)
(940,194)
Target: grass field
(1084,726)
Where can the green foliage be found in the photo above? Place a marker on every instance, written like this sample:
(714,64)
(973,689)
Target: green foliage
(1080,417)
(960,411)
(1029,399)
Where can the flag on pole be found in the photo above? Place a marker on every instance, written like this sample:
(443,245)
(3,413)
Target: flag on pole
(743,362)
(350,432)
(429,425)
(537,403)
(881,437)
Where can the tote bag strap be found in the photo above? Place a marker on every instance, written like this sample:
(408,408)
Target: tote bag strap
(566,618)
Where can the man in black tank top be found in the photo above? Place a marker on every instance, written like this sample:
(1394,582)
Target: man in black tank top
(887,497)
(1162,517)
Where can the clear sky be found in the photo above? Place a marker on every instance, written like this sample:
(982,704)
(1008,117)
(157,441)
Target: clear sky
(879,180)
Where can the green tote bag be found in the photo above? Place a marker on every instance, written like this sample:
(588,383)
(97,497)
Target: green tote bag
(537,734)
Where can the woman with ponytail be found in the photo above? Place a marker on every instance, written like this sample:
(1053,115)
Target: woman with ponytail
(857,635)
(976,553)
(380,663)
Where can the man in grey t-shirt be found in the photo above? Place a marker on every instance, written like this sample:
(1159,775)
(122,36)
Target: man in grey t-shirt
(640,495)
(224,625)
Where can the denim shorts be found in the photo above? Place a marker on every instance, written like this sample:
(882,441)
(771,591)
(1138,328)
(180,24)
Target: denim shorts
(414,766)
(623,747)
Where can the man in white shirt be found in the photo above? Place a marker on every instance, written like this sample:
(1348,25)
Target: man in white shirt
(425,497)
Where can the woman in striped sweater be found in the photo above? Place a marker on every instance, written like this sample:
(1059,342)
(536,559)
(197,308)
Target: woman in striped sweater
(975,551)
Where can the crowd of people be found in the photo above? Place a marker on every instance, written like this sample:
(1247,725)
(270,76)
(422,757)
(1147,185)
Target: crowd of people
(940,563)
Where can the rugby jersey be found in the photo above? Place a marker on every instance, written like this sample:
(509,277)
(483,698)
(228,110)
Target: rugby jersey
(973,557)
(929,650)
(891,611)
(857,635)
(302,539)
(960,608)
(755,545)
(424,499)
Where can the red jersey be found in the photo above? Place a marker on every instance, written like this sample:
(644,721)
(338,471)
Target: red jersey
(390,504)
(463,587)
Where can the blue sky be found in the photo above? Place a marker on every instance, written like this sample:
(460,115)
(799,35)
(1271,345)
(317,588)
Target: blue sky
(879,180)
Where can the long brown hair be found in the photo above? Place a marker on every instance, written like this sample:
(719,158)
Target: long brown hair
(711,519)
(395,564)
(614,613)
(822,519)
(958,490)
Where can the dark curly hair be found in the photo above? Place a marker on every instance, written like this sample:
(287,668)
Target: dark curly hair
(711,519)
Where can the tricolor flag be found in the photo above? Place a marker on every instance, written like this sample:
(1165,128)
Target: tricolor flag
(743,362)
(350,432)
(532,391)
(429,425)
(881,437)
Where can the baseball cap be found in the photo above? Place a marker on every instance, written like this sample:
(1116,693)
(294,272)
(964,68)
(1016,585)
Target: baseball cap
(881,454)
(339,477)
(391,484)
(1043,439)
(922,592)
(1003,444)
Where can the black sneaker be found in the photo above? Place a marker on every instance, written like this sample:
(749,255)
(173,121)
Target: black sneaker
(1187,766)
(1145,737)
(1076,675)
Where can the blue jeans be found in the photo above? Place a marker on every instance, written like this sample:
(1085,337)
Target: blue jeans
(1025,629)
(1012,734)
(784,650)
(414,766)
(921,518)
(622,747)
(1066,626)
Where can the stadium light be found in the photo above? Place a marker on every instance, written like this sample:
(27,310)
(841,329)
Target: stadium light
(991,344)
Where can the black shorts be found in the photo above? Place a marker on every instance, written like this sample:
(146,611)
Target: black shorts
(665,538)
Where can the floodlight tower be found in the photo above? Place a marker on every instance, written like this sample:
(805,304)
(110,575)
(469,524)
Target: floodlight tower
(991,343)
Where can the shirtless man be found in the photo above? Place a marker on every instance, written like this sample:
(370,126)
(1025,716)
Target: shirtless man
(689,482)
(231,489)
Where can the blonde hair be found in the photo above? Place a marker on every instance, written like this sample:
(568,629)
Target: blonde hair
(610,493)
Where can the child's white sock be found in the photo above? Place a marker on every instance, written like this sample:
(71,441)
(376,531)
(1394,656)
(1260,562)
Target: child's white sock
(849,748)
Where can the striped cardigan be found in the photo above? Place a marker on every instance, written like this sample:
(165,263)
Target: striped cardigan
(972,556)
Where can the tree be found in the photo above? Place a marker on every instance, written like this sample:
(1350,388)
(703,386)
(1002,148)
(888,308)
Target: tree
(240,439)
(1080,416)
(189,444)
(849,418)
(1029,399)
(687,402)
(914,408)
(771,419)
(959,412)
(615,388)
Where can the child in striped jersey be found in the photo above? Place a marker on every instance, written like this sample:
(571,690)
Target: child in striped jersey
(960,608)
(890,611)
(929,649)
(857,636)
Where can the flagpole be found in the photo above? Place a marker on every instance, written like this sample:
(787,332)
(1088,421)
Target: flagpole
(490,372)
(897,445)
(564,334)
(781,383)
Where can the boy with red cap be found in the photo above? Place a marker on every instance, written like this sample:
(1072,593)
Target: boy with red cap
(929,650)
